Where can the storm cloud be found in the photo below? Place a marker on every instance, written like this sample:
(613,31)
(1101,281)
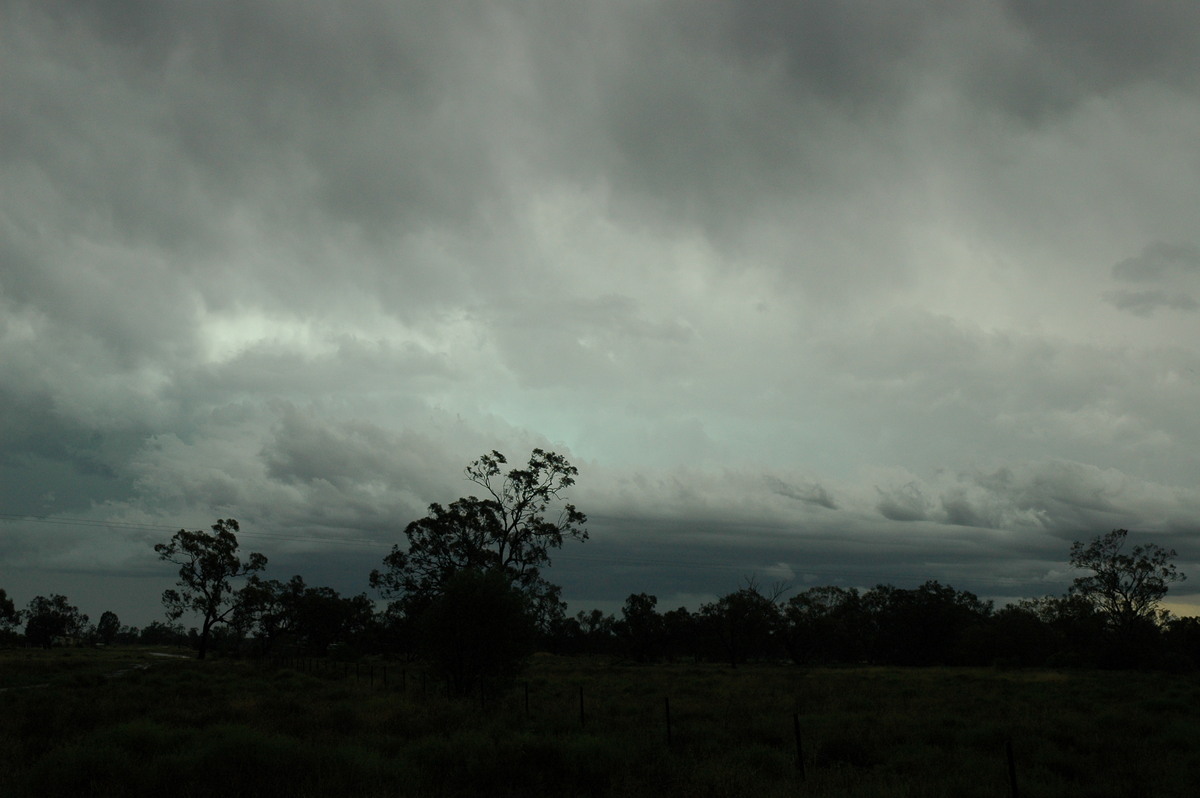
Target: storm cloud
(851,292)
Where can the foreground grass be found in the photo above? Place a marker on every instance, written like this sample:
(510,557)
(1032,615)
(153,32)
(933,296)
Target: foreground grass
(189,728)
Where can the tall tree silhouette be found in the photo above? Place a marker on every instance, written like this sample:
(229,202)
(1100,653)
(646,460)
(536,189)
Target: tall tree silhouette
(207,564)
(1126,586)
(510,531)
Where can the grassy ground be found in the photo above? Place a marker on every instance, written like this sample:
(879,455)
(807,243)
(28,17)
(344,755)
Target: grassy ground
(186,728)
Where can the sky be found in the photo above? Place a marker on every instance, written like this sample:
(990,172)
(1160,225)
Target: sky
(829,293)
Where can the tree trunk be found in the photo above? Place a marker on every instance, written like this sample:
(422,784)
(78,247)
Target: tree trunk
(202,649)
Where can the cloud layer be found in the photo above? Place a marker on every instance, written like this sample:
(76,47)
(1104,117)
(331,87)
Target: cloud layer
(852,293)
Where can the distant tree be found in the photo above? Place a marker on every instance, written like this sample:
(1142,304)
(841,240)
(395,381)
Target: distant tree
(641,627)
(507,532)
(263,606)
(745,623)
(824,624)
(128,635)
(597,632)
(925,626)
(1018,637)
(108,627)
(1127,587)
(158,633)
(1183,643)
(679,634)
(10,617)
(48,618)
(309,619)
(1080,633)
(395,632)
(207,563)
(562,637)
(477,633)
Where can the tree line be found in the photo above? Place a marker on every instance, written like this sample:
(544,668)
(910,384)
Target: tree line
(468,595)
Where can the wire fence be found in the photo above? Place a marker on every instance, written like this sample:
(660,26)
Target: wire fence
(419,682)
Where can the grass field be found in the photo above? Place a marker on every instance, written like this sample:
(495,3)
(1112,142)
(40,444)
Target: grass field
(125,723)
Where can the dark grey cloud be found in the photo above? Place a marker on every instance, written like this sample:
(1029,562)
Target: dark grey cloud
(804,289)
(1046,60)
(53,462)
(846,53)
(808,493)
(1079,401)
(1144,303)
(1068,498)
(905,503)
(1159,261)
(960,509)
(1172,271)
(1103,45)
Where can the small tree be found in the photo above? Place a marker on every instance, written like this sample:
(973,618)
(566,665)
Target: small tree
(48,618)
(746,622)
(679,633)
(824,624)
(108,627)
(9,616)
(1126,587)
(312,618)
(207,563)
(641,628)
(162,634)
(597,631)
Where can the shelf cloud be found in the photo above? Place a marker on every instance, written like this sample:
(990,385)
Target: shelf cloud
(829,292)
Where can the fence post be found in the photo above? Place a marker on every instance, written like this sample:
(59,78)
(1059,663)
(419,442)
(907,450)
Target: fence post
(582,717)
(799,747)
(667,707)
(1012,768)
(526,699)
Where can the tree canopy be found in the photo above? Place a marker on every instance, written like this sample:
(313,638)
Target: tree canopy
(108,627)
(9,616)
(511,530)
(1126,586)
(49,617)
(207,563)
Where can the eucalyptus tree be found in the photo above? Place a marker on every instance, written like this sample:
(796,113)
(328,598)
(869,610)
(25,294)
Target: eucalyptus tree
(469,583)
(49,617)
(207,565)
(108,627)
(9,615)
(522,516)
(1126,586)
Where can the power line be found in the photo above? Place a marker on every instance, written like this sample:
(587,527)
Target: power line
(581,558)
(90,522)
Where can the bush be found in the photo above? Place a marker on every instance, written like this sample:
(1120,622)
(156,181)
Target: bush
(479,631)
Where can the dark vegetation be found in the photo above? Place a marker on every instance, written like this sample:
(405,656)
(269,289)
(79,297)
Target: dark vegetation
(226,727)
(469,604)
